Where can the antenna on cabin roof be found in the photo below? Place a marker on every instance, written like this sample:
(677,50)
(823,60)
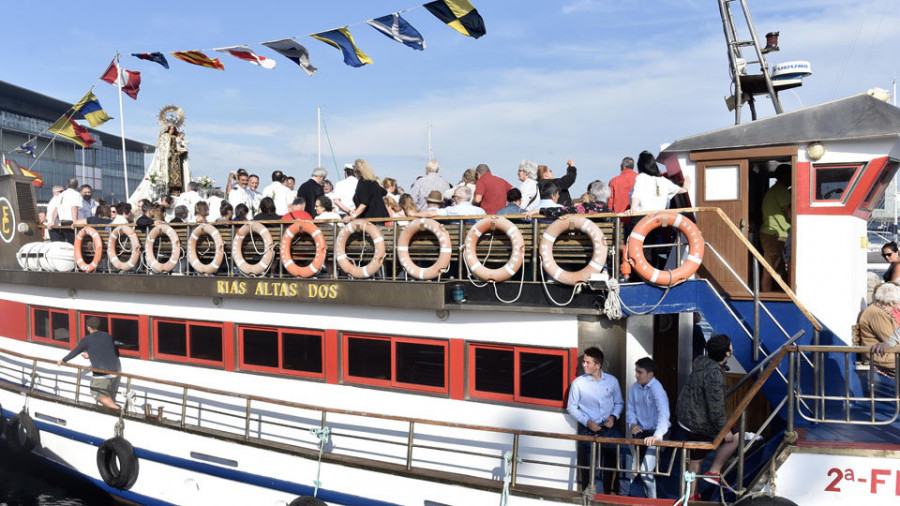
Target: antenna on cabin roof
(746,86)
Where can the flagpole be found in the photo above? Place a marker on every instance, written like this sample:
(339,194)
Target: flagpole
(319,134)
(122,125)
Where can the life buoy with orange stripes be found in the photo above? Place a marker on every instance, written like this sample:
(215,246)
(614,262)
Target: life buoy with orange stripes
(446,248)
(573,224)
(237,245)
(340,249)
(98,249)
(219,243)
(113,256)
(516,258)
(665,219)
(287,260)
(150,256)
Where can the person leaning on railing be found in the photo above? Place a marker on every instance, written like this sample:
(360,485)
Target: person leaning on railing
(879,330)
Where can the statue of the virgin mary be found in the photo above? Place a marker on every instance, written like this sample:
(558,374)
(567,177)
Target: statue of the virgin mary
(169,171)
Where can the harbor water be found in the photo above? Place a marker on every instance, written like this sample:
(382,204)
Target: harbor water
(25,481)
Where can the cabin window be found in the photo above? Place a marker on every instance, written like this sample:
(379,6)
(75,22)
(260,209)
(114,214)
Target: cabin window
(397,362)
(831,182)
(50,326)
(722,182)
(125,331)
(284,351)
(198,342)
(884,178)
(516,374)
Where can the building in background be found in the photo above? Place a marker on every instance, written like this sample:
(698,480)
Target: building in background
(25,113)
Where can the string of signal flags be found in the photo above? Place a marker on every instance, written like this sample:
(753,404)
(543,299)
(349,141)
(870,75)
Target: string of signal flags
(460,15)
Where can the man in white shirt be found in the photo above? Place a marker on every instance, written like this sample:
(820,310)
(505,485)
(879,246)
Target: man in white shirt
(69,204)
(253,190)
(279,193)
(215,205)
(239,194)
(53,214)
(344,191)
(190,198)
(461,205)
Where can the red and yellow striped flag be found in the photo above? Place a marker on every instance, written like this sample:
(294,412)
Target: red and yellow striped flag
(198,58)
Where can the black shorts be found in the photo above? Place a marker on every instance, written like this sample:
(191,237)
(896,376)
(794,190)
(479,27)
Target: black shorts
(696,436)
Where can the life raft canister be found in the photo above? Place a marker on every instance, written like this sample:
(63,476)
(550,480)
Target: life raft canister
(340,249)
(287,259)
(150,256)
(572,224)
(650,273)
(237,245)
(98,249)
(516,257)
(113,256)
(218,243)
(446,249)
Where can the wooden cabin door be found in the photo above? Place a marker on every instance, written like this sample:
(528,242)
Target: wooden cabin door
(724,184)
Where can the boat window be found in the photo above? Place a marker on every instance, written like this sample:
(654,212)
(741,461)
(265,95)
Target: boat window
(884,178)
(398,362)
(189,341)
(514,374)
(830,182)
(50,326)
(285,351)
(125,331)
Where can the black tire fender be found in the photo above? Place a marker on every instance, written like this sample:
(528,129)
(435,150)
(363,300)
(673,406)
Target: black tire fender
(117,463)
(22,435)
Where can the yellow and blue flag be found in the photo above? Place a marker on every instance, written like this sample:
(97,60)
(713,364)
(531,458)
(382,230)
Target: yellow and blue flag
(90,108)
(342,40)
(459,15)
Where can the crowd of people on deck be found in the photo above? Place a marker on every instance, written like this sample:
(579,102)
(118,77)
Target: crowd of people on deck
(362,194)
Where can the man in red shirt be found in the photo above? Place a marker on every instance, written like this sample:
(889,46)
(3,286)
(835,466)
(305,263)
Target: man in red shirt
(620,187)
(490,190)
(298,210)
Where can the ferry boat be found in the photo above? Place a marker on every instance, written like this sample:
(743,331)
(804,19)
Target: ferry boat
(388,389)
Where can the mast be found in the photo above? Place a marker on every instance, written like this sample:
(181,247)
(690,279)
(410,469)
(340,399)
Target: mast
(430,151)
(319,134)
(121,126)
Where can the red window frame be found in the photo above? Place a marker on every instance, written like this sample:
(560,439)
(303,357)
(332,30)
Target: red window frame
(393,383)
(517,373)
(49,339)
(851,183)
(188,358)
(280,369)
(108,316)
(886,174)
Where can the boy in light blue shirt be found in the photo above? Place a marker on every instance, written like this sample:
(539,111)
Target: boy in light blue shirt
(647,418)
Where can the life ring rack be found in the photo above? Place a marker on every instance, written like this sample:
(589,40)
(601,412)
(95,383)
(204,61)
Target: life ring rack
(98,249)
(441,265)
(340,249)
(571,224)
(237,245)
(647,271)
(113,255)
(150,256)
(516,258)
(287,239)
(219,243)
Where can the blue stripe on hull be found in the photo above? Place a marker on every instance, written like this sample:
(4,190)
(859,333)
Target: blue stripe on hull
(200,467)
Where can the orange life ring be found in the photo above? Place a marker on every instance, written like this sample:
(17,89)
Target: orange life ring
(340,249)
(287,260)
(135,248)
(237,256)
(150,256)
(446,248)
(571,224)
(678,274)
(98,249)
(516,259)
(218,242)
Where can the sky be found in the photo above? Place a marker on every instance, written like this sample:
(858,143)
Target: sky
(588,80)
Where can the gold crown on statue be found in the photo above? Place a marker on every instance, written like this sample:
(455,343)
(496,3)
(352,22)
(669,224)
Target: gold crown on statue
(171,115)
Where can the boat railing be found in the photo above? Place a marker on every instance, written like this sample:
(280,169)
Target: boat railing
(285,425)
(833,403)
